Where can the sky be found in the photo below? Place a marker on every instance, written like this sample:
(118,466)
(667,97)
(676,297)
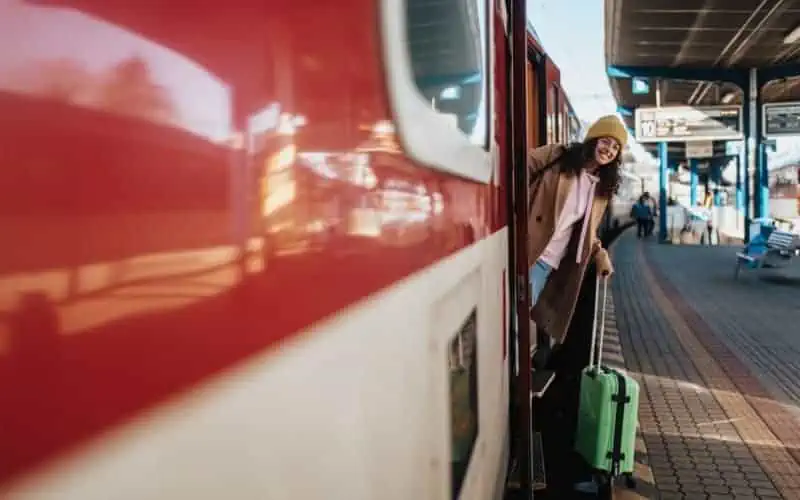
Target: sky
(572,34)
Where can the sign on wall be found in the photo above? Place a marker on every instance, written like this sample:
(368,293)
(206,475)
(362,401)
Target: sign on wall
(688,123)
(700,149)
(781,119)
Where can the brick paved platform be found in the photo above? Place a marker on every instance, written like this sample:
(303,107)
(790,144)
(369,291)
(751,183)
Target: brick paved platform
(719,365)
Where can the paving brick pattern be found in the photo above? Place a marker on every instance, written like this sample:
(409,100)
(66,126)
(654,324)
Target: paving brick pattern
(757,317)
(749,327)
(704,438)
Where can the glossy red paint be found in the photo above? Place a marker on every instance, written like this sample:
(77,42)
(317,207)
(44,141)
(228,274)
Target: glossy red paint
(184,188)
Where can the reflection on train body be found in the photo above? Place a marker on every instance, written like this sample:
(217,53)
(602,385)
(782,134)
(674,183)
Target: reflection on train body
(216,237)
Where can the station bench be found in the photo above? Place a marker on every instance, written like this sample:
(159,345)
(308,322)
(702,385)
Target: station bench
(780,245)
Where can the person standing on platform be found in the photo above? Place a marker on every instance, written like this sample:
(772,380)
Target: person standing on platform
(642,213)
(708,208)
(651,202)
(569,191)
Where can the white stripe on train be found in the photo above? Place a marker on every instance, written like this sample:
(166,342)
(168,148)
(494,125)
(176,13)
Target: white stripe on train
(357,409)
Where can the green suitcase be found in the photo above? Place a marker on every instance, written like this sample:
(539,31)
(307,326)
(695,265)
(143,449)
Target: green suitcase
(609,408)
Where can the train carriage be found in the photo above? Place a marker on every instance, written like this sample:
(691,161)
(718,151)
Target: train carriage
(265,249)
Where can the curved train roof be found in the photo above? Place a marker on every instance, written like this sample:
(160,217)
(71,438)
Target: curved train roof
(535,35)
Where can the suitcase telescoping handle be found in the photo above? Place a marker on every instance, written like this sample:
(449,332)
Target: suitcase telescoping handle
(598,330)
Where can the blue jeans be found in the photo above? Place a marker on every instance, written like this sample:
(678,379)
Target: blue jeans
(538,277)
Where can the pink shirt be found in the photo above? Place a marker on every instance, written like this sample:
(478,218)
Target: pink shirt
(576,207)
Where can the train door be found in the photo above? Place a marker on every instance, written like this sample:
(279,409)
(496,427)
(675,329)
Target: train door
(544,123)
(442,81)
(551,114)
(529,128)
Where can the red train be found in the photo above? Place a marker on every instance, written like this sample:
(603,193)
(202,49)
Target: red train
(264,249)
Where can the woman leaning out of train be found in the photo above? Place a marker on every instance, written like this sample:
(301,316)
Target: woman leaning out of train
(570,189)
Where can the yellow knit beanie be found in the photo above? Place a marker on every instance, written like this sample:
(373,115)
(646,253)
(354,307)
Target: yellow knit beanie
(608,126)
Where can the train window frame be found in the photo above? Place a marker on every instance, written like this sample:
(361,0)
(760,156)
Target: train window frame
(551,113)
(427,135)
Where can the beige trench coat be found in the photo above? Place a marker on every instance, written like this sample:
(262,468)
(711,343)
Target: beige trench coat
(546,197)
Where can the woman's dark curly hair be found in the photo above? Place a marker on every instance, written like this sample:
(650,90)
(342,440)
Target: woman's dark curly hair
(578,154)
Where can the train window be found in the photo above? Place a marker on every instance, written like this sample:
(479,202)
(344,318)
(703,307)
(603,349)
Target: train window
(447,43)
(559,116)
(574,129)
(552,102)
(532,98)
(439,74)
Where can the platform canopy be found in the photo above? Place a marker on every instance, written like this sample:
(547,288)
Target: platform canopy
(695,45)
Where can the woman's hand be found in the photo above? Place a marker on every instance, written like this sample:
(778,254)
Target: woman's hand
(603,263)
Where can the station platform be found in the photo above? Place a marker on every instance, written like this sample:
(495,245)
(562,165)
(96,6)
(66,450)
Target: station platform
(718,361)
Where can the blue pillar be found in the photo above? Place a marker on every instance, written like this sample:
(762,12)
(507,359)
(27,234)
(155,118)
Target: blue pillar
(759,152)
(763,181)
(751,136)
(747,215)
(739,197)
(693,182)
(662,191)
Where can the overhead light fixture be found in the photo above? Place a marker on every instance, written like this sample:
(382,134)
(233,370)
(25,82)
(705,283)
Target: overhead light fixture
(793,36)
(728,98)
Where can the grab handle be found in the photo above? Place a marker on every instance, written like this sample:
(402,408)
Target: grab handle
(598,331)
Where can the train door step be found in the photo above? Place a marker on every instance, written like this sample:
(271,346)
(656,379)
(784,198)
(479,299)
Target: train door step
(538,477)
(514,484)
